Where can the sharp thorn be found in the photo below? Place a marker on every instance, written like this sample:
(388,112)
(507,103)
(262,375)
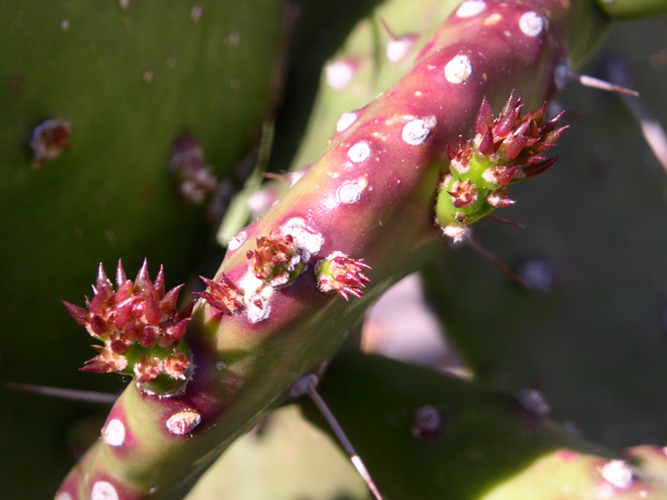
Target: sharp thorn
(590,81)
(505,221)
(389,31)
(277,177)
(494,260)
(71,394)
(618,71)
(307,385)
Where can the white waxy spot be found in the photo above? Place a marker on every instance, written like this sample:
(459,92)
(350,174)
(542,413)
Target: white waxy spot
(309,242)
(183,422)
(350,191)
(124,4)
(458,69)
(195,13)
(114,433)
(339,74)
(103,490)
(64,25)
(359,152)
(63,495)
(256,296)
(345,120)
(148,76)
(399,48)
(258,308)
(617,473)
(531,23)
(237,241)
(455,232)
(470,8)
(415,132)
(250,284)
(259,202)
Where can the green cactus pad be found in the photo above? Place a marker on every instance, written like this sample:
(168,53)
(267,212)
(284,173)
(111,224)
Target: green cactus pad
(591,329)
(128,83)
(482,444)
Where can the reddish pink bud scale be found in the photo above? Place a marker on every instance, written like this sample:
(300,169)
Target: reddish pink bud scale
(341,274)
(223,294)
(137,314)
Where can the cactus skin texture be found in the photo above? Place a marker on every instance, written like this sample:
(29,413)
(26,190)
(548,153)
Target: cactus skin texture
(487,445)
(371,197)
(583,331)
(128,83)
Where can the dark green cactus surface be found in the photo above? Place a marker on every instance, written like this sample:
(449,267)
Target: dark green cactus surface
(591,333)
(632,8)
(129,82)
(427,435)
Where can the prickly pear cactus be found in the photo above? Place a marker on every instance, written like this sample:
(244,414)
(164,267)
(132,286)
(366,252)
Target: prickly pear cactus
(94,99)
(248,336)
(428,435)
(295,282)
(424,434)
(590,330)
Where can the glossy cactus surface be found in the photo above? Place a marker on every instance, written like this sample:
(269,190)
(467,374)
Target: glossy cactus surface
(487,445)
(380,171)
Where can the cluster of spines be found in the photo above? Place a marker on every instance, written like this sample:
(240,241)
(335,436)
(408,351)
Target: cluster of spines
(276,260)
(341,274)
(139,324)
(505,150)
(142,330)
(49,139)
(222,294)
(193,178)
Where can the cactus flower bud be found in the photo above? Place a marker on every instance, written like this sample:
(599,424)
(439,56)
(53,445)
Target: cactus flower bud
(140,327)
(341,274)
(504,151)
